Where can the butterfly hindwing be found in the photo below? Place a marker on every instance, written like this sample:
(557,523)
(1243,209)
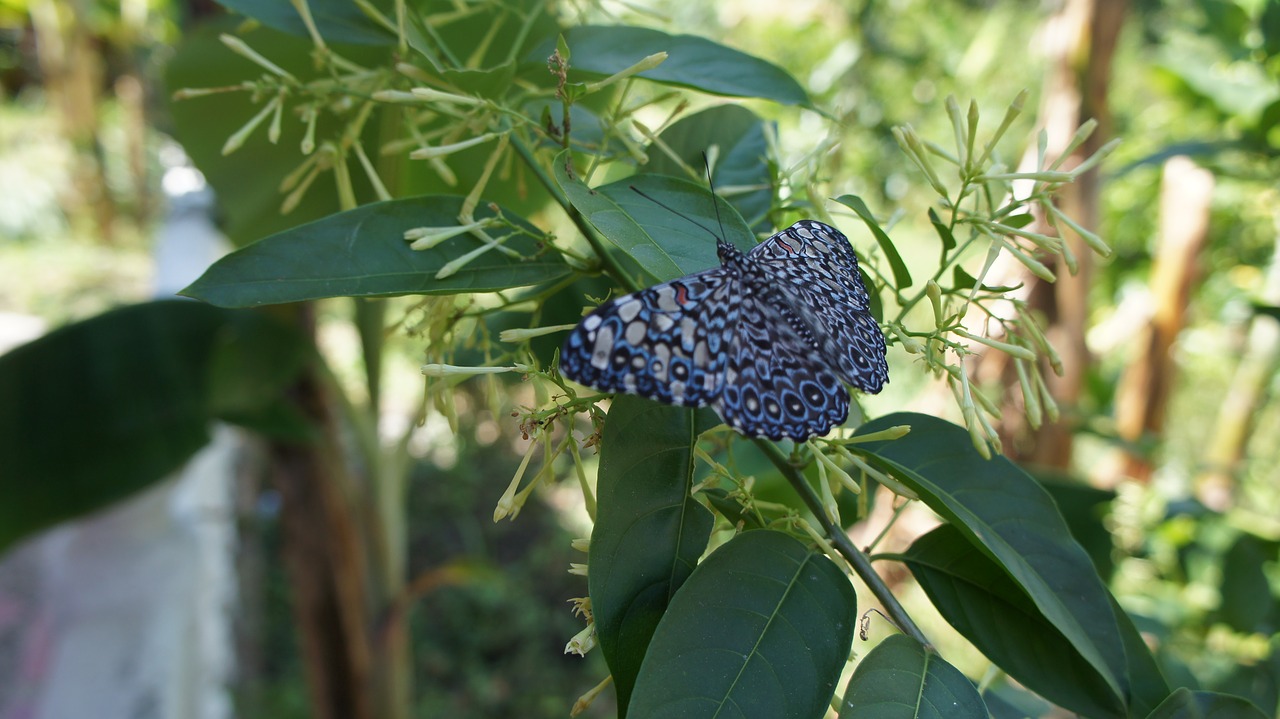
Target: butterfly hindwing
(667,342)
(775,384)
(815,270)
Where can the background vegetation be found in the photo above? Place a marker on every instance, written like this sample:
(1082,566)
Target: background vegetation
(1162,461)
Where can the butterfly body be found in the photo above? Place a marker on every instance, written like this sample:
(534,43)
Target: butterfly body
(766,338)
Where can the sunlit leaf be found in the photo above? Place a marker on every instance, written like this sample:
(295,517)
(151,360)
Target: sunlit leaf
(363,253)
(693,62)
(1001,510)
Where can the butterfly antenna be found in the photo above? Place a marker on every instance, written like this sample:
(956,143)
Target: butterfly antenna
(676,212)
(707,165)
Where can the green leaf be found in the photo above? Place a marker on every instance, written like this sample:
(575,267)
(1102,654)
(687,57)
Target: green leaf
(649,532)
(103,408)
(363,253)
(1247,600)
(984,604)
(1002,511)
(901,277)
(944,232)
(1267,311)
(731,509)
(666,245)
(1258,682)
(492,83)
(1083,507)
(761,629)
(1147,684)
(247,182)
(900,679)
(336,20)
(693,62)
(742,157)
(963,280)
(1186,704)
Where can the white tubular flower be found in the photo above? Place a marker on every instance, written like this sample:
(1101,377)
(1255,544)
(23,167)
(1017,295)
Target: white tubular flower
(582,642)
(644,65)
(520,335)
(427,153)
(424,238)
(448,370)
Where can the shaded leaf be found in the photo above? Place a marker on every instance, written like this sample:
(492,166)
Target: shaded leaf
(247,182)
(666,245)
(103,408)
(944,232)
(649,532)
(1247,599)
(762,628)
(1002,511)
(336,20)
(1267,311)
(901,277)
(363,253)
(731,509)
(1186,704)
(693,62)
(963,280)
(900,679)
(742,160)
(1083,507)
(985,605)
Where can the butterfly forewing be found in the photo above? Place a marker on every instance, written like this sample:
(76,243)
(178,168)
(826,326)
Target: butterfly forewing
(815,270)
(668,342)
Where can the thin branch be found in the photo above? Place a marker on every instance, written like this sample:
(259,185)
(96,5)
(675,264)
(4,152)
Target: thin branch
(597,244)
(856,559)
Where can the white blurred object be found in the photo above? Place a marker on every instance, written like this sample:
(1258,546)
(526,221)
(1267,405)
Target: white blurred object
(125,614)
(188,241)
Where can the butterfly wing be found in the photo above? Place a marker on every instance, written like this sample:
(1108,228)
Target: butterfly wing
(814,268)
(667,343)
(774,384)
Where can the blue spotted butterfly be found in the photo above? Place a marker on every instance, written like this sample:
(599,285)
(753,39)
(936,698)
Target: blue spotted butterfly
(766,338)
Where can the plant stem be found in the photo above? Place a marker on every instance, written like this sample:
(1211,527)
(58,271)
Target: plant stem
(856,559)
(593,238)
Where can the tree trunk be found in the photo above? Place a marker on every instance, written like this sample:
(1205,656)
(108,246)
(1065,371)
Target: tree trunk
(325,555)
(1085,33)
(1248,392)
(1148,379)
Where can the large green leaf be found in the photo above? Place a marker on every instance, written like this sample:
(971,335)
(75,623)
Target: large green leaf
(1248,604)
(336,20)
(900,679)
(649,531)
(100,409)
(664,244)
(247,182)
(1186,704)
(984,604)
(1001,510)
(363,253)
(762,628)
(742,158)
(693,62)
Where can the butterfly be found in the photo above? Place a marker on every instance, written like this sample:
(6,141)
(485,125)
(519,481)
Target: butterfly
(768,338)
